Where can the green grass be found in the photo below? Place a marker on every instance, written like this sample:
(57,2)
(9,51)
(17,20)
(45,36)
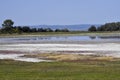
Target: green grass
(81,33)
(83,70)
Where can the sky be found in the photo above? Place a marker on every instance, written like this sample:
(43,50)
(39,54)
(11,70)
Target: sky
(60,12)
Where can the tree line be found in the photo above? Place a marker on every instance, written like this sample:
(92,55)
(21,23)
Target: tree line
(115,26)
(7,27)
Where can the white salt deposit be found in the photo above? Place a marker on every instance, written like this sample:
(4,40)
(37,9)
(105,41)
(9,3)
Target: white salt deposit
(19,58)
(114,48)
(10,56)
(62,47)
(31,60)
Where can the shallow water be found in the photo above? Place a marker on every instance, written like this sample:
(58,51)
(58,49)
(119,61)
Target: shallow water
(59,38)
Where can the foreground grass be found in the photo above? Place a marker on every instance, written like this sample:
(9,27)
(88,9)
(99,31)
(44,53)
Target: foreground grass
(82,70)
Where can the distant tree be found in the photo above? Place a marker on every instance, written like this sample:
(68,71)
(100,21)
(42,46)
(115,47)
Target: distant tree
(26,29)
(33,30)
(110,27)
(44,30)
(40,29)
(65,30)
(7,26)
(62,30)
(18,29)
(57,30)
(92,28)
(48,30)
(8,23)
(118,26)
(99,29)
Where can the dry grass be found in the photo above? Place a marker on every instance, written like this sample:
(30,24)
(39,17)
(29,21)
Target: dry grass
(70,57)
(61,57)
(103,58)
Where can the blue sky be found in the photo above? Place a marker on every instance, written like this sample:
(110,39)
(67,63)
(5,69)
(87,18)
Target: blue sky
(62,12)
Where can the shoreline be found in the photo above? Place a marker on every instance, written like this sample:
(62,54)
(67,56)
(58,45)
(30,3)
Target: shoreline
(61,34)
(64,42)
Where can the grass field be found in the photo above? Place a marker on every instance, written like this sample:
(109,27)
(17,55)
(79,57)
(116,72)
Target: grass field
(82,70)
(80,33)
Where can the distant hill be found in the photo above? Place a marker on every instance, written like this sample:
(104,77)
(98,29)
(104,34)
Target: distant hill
(81,27)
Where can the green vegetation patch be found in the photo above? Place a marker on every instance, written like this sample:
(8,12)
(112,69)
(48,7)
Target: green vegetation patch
(73,33)
(83,70)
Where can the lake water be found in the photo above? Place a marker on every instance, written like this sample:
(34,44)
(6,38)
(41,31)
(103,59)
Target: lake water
(60,38)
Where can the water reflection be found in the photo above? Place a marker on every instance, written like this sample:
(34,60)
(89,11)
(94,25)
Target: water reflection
(59,38)
(92,37)
(109,37)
